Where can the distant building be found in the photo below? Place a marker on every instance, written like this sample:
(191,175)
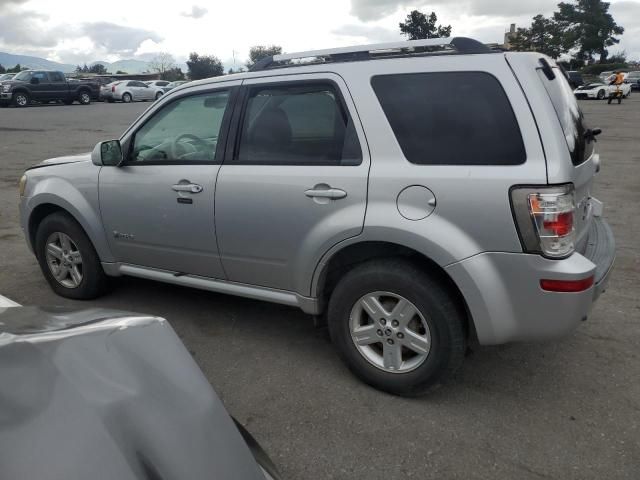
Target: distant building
(509,36)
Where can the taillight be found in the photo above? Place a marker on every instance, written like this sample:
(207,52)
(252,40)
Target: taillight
(545,219)
(113,89)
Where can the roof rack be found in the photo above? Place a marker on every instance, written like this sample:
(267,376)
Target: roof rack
(411,48)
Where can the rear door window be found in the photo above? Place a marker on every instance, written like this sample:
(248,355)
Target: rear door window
(569,114)
(451,118)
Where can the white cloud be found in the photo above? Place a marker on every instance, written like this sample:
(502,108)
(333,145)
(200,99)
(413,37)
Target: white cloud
(196,12)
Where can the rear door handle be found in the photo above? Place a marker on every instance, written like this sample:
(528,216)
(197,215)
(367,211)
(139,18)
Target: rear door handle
(331,193)
(187,187)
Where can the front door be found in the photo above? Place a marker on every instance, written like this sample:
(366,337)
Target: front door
(295,184)
(158,207)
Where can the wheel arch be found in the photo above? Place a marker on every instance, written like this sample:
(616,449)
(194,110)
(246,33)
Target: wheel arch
(355,254)
(91,226)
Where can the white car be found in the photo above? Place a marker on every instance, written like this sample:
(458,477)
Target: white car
(600,91)
(127,91)
(158,87)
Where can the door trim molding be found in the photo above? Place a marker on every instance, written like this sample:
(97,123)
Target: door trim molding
(283,297)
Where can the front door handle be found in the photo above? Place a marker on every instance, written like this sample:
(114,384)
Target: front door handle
(187,187)
(330,193)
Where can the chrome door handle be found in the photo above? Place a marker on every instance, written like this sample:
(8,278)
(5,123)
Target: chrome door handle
(187,187)
(331,193)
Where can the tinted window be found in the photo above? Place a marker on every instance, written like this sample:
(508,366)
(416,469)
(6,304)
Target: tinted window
(183,131)
(457,118)
(297,125)
(41,76)
(162,84)
(56,77)
(570,116)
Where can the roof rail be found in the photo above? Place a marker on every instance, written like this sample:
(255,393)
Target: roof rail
(411,48)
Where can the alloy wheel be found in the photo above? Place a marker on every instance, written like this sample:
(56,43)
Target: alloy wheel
(390,332)
(64,260)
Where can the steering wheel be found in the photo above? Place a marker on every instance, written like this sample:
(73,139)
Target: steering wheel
(175,146)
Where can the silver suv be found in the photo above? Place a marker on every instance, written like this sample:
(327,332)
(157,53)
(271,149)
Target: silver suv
(420,196)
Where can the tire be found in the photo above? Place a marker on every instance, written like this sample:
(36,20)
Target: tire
(158,95)
(439,317)
(21,99)
(84,97)
(92,281)
(601,94)
(126,98)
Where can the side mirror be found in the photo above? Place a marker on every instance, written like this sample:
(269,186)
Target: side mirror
(35,81)
(108,154)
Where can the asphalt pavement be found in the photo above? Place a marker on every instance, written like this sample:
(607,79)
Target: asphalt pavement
(568,409)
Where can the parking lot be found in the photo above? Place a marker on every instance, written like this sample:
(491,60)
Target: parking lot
(568,409)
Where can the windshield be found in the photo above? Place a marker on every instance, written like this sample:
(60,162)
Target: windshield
(23,76)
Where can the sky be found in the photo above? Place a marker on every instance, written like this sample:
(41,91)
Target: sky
(79,31)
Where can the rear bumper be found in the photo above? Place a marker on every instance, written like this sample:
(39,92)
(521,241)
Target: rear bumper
(506,302)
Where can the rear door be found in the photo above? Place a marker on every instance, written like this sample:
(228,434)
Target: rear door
(294,182)
(58,87)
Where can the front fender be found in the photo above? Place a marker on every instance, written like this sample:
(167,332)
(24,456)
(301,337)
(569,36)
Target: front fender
(80,202)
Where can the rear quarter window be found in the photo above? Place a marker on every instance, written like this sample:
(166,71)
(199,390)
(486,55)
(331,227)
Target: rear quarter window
(569,114)
(451,118)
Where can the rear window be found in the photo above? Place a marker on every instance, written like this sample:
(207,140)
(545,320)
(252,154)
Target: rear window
(571,118)
(451,118)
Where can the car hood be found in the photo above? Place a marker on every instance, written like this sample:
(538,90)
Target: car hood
(82,157)
(112,392)
(13,82)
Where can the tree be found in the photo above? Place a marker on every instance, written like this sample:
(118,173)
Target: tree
(82,69)
(588,26)
(120,72)
(258,52)
(16,69)
(2,69)
(98,69)
(202,66)
(162,63)
(418,26)
(618,57)
(173,74)
(544,36)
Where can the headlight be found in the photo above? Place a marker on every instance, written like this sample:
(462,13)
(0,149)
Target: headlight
(6,88)
(22,185)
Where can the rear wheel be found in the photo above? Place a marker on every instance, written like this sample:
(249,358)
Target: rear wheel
(21,99)
(396,327)
(126,98)
(158,95)
(67,258)
(84,98)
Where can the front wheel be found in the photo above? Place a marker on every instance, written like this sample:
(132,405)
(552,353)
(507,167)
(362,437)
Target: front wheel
(84,98)
(67,258)
(21,99)
(396,327)
(601,94)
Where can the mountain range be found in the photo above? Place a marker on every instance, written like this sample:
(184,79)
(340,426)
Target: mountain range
(9,60)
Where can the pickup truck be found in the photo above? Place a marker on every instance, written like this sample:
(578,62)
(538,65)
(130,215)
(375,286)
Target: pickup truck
(45,86)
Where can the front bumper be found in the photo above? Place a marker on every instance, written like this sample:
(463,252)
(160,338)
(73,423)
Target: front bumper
(503,293)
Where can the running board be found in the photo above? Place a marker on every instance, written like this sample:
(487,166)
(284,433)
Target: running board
(308,305)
